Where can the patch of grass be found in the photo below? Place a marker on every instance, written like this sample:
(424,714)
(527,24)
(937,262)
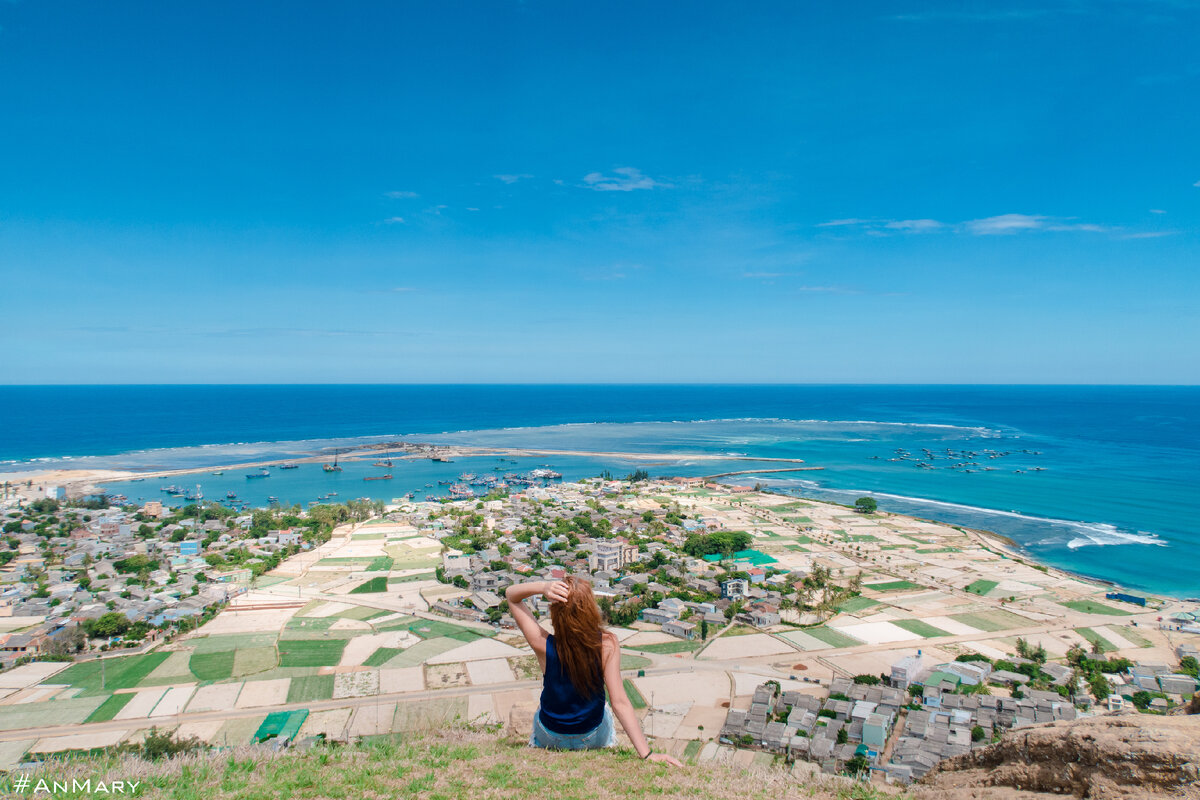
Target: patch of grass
(741,630)
(310,652)
(863,537)
(635,697)
(692,750)
(920,628)
(233,641)
(216,666)
(933,550)
(892,586)
(855,604)
(663,648)
(832,637)
(118,673)
(1092,607)
(382,656)
(633,662)
(109,708)
(380,564)
(374,585)
(795,548)
(1105,645)
(980,586)
(362,613)
(310,688)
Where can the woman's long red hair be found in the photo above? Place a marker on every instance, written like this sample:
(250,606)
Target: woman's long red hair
(578,636)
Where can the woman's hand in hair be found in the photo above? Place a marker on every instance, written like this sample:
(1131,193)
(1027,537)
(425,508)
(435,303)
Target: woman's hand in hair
(665,759)
(557,591)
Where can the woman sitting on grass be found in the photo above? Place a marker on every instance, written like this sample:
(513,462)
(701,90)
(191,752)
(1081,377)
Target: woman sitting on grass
(579,661)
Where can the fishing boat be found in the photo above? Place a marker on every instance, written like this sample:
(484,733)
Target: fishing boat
(445,483)
(231,495)
(461,490)
(387,477)
(218,473)
(467,477)
(265,473)
(385,463)
(334,466)
(442,459)
(289,466)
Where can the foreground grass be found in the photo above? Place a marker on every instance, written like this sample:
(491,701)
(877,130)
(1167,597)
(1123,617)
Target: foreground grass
(452,763)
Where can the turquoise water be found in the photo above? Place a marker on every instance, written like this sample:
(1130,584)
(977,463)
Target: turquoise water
(1100,480)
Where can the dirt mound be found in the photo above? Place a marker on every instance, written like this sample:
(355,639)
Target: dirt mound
(1121,757)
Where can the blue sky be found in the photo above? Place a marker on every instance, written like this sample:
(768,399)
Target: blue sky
(561,192)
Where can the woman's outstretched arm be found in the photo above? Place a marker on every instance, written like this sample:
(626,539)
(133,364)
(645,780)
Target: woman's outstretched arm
(623,709)
(534,633)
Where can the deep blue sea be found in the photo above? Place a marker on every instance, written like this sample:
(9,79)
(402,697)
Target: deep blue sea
(1104,481)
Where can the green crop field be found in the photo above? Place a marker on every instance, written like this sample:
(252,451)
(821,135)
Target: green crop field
(863,537)
(932,550)
(635,697)
(366,536)
(980,586)
(372,586)
(857,604)
(1133,635)
(892,586)
(432,628)
(380,564)
(310,689)
(919,627)
(216,666)
(109,708)
(49,713)
(233,641)
(991,621)
(253,660)
(381,656)
(692,750)
(310,653)
(118,673)
(831,637)
(1092,607)
(1105,645)
(362,613)
(346,561)
(416,655)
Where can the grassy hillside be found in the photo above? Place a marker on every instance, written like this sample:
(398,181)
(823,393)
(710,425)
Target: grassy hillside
(465,764)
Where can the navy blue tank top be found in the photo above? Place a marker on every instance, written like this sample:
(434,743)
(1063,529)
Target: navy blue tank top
(564,710)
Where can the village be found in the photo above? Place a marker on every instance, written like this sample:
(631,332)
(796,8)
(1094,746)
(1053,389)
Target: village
(754,626)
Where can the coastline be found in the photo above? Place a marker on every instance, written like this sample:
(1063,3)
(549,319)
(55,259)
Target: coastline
(88,481)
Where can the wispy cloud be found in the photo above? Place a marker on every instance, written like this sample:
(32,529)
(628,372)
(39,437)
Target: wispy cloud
(1016,223)
(915,225)
(394,221)
(401,195)
(624,179)
(512,178)
(826,289)
(1196,184)
(987,226)
(1149,235)
(1157,211)
(768,275)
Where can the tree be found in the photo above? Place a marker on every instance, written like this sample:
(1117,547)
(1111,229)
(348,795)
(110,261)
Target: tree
(704,630)
(866,505)
(114,623)
(842,736)
(978,734)
(857,765)
(867,680)
(1189,666)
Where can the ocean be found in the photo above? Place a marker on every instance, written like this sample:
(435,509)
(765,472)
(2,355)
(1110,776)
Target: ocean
(1102,481)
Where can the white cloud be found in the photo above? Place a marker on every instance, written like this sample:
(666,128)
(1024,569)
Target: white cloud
(401,195)
(1004,223)
(915,225)
(395,221)
(625,179)
(1157,211)
(834,223)
(511,179)
(403,289)
(1196,184)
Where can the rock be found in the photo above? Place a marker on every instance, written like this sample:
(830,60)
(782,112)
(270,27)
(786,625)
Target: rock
(1108,757)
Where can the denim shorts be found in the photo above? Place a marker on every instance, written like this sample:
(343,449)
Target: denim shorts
(603,735)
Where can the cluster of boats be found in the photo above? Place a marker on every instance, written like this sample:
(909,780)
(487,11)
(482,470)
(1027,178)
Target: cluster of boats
(964,460)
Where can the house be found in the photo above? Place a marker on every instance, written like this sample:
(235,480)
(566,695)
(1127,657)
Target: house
(906,671)
(658,616)
(735,588)
(875,732)
(684,630)
(1116,702)
(757,574)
